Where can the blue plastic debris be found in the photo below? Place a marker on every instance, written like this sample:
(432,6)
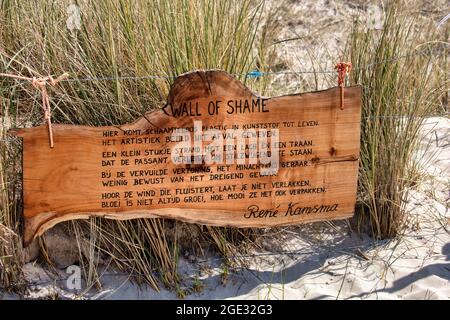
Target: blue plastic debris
(255,74)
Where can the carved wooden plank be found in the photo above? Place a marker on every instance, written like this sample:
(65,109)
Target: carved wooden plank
(132,171)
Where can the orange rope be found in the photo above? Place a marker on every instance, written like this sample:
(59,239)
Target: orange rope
(342,68)
(41,85)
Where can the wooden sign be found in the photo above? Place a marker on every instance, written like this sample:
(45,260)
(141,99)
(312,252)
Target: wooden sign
(216,154)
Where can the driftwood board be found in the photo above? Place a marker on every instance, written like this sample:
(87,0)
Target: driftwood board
(128,172)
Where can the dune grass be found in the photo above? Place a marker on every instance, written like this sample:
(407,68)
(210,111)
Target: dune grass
(404,81)
(10,249)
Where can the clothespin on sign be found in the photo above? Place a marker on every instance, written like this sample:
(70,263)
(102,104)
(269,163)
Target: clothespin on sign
(342,68)
(41,85)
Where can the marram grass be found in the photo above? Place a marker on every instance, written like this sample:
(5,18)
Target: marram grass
(403,84)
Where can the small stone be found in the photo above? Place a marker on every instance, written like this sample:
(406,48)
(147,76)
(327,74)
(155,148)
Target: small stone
(62,248)
(31,252)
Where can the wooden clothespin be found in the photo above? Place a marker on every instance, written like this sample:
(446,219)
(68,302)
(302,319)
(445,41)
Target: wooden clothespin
(342,68)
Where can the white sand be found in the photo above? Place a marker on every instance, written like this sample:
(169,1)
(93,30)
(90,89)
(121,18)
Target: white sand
(324,262)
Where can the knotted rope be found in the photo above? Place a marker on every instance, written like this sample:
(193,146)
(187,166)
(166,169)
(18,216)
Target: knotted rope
(41,85)
(342,68)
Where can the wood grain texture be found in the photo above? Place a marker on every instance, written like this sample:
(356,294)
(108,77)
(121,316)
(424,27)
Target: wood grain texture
(316,179)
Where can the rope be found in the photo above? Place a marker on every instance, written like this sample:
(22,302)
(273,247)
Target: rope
(41,85)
